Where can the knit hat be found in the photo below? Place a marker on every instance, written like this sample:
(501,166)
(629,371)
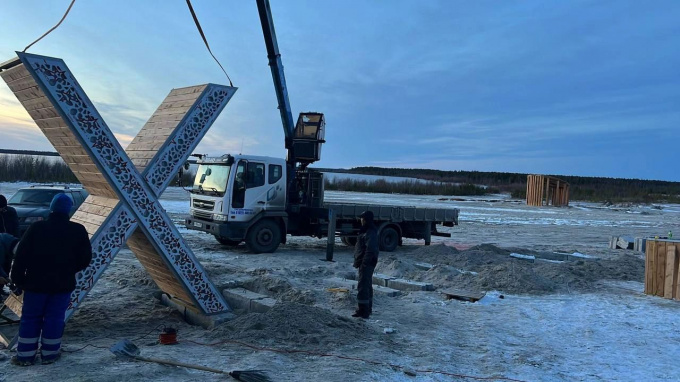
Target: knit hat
(3,201)
(367,215)
(61,204)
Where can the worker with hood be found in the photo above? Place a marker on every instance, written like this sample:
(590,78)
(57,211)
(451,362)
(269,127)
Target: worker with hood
(9,220)
(48,257)
(365,260)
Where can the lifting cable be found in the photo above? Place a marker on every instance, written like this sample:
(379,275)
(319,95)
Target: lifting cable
(53,28)
(200,30)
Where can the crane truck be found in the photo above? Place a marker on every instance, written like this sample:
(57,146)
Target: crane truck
(260,200)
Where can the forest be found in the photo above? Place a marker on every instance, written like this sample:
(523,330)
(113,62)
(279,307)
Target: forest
(46,169)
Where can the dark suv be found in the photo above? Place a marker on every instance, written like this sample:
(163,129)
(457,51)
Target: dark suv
(33,203)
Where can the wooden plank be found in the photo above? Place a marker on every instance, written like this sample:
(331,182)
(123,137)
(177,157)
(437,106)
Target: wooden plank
(187,90)
(173,110)
(650,252)
(654,245)
(660,273)
(22,83)
(29,94)
(676,287)
(464,295)
(180,97)
(14,73)
(15,303)
(670,276)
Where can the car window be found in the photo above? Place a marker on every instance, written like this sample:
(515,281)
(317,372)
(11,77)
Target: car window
(275,173)
(255,175)
(77,198)
(34,197)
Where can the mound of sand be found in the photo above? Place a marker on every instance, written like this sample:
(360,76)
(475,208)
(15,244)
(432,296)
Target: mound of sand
(487,267)
(279,289)
(296,324)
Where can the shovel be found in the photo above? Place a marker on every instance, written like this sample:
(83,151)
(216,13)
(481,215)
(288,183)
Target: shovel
(125,348)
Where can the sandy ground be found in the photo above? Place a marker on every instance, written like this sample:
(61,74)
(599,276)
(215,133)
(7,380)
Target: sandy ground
(579,320)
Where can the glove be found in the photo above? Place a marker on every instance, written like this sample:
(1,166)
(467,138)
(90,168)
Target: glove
(356,264)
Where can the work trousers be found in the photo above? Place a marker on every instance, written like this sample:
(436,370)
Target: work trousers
(365,286)
(42,319)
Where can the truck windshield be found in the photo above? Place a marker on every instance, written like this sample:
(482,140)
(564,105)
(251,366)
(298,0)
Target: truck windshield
(211,178)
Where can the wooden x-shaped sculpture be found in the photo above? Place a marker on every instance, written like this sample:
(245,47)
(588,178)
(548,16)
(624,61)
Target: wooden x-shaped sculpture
(124,187)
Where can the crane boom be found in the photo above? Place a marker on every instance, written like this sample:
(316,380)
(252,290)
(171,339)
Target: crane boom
(279,78)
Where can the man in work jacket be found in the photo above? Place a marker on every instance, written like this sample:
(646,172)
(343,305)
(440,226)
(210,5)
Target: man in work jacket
(9,220)
(365,259)
(7,244)
(48,257)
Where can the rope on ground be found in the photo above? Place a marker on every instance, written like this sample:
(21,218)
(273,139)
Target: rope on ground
(53,28)
(200,30)
(378,363)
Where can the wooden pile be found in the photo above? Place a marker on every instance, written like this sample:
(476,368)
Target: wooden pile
(547,191)
(662,266)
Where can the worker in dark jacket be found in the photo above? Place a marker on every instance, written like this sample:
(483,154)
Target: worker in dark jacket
(9,220)
(7,244)
(48,257)
(365,259)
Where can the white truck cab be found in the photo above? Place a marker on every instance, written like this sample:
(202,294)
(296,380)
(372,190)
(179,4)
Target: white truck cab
(232,193)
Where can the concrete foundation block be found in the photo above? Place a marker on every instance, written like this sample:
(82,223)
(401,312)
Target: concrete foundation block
(385,291)
(625,242)
(408,285)
(640,244)
(380,279)
(239,298)
(337,282)
(552,256)
(196,318)
(262,305)
(424,266)
(613,241)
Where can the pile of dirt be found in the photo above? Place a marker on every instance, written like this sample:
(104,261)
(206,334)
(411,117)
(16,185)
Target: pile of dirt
(487,267)
(395,267)
(296,324)
(469,259)
(279,289)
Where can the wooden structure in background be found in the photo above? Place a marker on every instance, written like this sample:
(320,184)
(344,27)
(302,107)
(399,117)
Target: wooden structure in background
(124,186)
(547,191)
(662,267)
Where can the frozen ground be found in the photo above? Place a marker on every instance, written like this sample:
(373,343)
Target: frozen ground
(585,320)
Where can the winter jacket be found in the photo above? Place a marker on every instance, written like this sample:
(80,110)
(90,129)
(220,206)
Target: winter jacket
(7,243)
(50,254)
(366,249)
(9,221)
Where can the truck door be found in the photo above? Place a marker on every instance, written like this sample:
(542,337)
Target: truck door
(249,194)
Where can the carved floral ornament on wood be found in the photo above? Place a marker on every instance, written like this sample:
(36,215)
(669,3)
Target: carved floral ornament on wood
(125,185)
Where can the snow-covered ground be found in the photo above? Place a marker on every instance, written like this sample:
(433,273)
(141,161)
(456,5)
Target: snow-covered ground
(603,330)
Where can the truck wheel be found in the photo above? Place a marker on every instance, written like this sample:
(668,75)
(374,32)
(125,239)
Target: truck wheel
(263,237)
(349,241)
(225,241)
(389,239)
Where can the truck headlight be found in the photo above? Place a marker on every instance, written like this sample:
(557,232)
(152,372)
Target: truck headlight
(33,219)
(220,217)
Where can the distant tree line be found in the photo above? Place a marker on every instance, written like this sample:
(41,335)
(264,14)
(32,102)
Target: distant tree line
(381,186)
(38,169)
(42,169)
(613,190)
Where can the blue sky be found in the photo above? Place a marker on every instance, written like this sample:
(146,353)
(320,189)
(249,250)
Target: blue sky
(576,87)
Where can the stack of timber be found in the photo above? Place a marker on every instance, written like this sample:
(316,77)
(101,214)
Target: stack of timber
(547,191)
(662,266)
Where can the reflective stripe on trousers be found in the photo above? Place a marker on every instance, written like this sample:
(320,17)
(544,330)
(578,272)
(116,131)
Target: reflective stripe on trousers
(43,315)
(365,285)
